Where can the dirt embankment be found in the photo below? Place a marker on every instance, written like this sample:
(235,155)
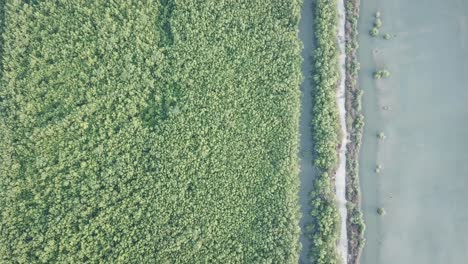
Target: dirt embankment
(340,180)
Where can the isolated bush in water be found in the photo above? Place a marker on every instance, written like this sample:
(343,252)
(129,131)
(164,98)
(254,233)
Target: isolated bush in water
(381,136)
(378,168)
(381,211)
(381,74)
(387,36)
(378,23)
(384,73)
(377,75)
(374,32)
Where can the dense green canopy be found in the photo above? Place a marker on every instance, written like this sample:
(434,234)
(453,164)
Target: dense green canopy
(324,230)
(149,131)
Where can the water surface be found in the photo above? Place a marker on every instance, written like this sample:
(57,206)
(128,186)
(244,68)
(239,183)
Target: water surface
(307,173)
(423,185)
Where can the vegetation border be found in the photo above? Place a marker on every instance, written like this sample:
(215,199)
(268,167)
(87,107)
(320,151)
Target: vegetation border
(326,133)
(355,124)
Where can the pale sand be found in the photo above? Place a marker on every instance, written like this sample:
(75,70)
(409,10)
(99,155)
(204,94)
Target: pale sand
(340,181)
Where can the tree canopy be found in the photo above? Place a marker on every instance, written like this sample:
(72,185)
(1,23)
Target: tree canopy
(149,131)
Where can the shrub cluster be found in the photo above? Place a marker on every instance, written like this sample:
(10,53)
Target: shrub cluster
(381,135)
(381,211)
(150,132)
(324,230)
(381,74)
(377,25)
(378,168)
(355,124)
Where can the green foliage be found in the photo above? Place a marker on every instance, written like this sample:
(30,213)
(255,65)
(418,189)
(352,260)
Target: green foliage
(355,220)
(150,132)
(324,231)
(381,74)
(377,75)
(325,121)
(381,135)
(387,36)
(359,122)
(378,168)
(381,211)
(384,73)
(325,124)
(378,23)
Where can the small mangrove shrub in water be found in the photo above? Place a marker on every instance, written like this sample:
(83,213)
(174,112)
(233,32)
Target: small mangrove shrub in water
(384,74)
(377,75)
(378,168)
(381,74)
(378,23)
(381,136)
(387,36)
(381,211)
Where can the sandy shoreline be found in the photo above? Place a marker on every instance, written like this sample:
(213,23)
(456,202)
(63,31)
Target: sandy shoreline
(340,181)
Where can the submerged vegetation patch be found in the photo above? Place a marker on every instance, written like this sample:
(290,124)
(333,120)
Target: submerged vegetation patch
(155,132)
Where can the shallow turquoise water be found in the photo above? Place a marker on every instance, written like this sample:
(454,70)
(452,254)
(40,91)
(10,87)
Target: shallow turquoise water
(423,185)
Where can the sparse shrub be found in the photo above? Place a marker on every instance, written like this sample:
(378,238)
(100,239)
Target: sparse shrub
(359,123)
(350,206)
(384,73)
(381,74)
(387,36)
(378,23)
(381,135)
(377,75)
(378,168)
(355,221)
(374,32)
(381,211)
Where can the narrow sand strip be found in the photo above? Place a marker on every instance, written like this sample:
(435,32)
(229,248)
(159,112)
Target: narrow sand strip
(340,182)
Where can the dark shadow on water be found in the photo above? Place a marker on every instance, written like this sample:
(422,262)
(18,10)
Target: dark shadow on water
(308,172)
